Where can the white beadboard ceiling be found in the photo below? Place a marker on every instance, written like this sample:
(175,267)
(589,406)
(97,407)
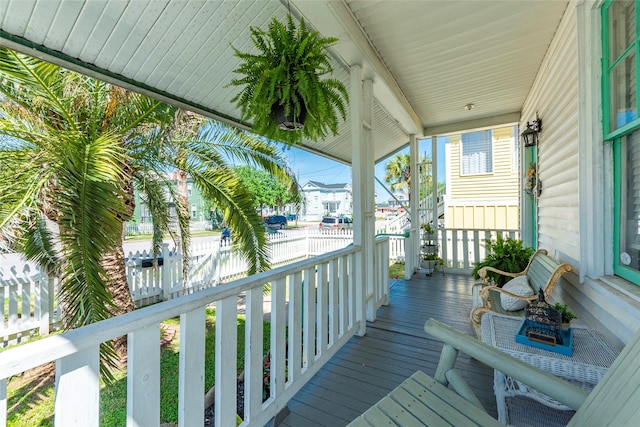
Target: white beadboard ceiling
(428,59)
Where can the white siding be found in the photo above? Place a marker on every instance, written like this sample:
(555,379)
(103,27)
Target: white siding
(575,220)
(554,97)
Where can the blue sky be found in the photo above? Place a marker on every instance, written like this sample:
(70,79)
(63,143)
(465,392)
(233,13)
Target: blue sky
(312,167)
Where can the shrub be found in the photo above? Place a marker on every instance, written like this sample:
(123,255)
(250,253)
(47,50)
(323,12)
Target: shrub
(504,254)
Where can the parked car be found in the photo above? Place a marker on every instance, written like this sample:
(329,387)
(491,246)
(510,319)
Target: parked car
(276,222)
(336,223)
(291,217)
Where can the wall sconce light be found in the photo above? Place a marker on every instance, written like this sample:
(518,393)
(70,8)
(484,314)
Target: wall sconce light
(530,134)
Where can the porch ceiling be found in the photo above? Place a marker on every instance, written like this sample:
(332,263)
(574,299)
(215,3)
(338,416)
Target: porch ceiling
(428,59)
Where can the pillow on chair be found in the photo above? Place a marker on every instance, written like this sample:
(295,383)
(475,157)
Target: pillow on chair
(519,286)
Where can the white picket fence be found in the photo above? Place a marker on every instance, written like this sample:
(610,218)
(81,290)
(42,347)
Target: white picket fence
(213,263)
(27,302)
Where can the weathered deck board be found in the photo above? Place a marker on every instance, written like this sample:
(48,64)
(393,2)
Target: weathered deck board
(395,346)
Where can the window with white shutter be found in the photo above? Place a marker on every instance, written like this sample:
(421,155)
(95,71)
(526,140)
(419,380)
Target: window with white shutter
(477,153)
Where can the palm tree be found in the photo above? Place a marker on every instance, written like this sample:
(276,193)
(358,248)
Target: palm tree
(73,150)
(398,173)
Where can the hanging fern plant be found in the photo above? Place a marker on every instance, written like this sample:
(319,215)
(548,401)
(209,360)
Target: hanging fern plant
(283,92)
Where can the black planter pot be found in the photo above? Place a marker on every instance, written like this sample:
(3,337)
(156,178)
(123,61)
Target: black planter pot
(287,122)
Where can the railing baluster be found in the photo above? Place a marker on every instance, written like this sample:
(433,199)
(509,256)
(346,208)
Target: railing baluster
(143,379)
(465,249)
(191,367)
(476,246)
(352,290)
(295,326)
(278,336)
(3,402)
(454,251)
(342,300)
(226,361)
(322,306)
(309,317)
(333,301)
(444,245)
(77,401)
(254,334)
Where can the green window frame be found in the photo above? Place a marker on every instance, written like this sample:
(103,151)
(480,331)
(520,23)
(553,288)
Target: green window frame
(621,125)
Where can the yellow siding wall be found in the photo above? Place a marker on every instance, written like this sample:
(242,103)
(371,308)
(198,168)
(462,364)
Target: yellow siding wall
(486,200)
(483,217)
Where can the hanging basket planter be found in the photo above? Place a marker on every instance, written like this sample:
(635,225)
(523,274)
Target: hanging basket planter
(288,122)
(288,71)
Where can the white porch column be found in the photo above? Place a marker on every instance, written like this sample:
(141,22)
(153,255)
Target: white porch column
(413,263)
(361,103)
(434,179)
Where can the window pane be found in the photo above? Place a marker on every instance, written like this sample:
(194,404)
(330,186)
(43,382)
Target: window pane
(623,92)
(630,202)
(622,28)
(477,157)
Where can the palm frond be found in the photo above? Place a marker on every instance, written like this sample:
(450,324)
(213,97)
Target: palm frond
(151,189)
(237,206)
(37,244)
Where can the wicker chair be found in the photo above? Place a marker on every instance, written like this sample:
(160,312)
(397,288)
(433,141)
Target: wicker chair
(542,272)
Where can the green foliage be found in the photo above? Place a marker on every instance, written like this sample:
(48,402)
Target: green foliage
(565,311)
(504,254)
(431,257)
(427,228)
(73,148)
(398,174)
(269,190)
(287,72)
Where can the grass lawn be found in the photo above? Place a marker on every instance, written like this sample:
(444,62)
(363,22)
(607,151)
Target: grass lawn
(143,237)
(396,270)
(30,395)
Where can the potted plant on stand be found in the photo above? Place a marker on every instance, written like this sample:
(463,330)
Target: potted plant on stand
(283,92)
(431,262)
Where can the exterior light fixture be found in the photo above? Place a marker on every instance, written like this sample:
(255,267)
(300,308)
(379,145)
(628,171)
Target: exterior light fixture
(530,134)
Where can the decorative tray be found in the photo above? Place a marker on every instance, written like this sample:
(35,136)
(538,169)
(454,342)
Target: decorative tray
(546,337)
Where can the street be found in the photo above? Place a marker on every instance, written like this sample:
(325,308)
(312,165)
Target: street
(9,259)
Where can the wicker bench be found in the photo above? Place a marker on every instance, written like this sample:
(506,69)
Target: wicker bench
(542,272)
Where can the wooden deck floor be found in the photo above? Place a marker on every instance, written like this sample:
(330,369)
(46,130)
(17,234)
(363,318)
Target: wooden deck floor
(395,346)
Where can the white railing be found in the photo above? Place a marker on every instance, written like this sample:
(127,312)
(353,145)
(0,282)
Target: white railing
(24,290)
(396,224)
(27,296)
(316,305)
(460,249)
(378,295)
